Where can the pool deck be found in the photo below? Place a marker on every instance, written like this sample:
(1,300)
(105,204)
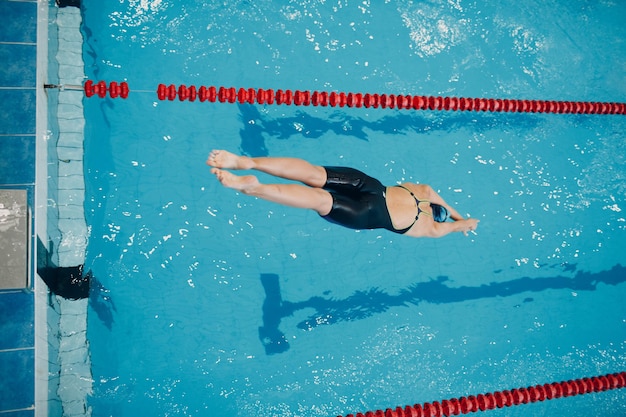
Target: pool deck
(18,115)
(44,353)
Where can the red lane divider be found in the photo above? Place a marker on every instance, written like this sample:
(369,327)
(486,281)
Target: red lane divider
(391,101)
(114,89)
(386,101)
(506,398)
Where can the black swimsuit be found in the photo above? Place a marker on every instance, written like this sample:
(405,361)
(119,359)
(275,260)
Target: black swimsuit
(359,201)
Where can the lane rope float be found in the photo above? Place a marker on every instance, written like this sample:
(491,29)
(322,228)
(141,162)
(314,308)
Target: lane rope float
(506,398)
(261,96)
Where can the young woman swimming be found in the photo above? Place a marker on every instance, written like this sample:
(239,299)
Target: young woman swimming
(343,195)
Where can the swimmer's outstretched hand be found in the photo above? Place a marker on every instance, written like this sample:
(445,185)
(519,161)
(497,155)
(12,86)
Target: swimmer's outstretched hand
(224,159)
(470,225)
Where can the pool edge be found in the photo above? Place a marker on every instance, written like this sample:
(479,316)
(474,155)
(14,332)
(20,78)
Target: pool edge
(62,365)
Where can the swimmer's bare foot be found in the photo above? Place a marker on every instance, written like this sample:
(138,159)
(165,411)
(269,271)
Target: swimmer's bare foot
(243,183)
(224,159)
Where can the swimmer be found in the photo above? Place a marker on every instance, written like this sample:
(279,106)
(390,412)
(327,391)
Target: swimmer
(344,195)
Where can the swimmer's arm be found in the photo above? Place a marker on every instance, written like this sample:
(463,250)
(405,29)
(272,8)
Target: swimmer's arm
(436,198)
(442,229)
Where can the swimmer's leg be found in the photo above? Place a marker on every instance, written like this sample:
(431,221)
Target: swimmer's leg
(288,168)
(292,195)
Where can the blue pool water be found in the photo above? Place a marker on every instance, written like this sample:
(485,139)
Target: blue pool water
(209,302)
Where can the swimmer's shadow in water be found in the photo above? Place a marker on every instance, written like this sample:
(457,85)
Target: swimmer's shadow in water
(256,126)
(363,304)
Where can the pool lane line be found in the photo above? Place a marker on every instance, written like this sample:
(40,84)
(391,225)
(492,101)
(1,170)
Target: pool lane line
(215,94)
(506,398)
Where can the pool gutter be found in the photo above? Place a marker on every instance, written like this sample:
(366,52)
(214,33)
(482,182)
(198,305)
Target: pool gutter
(62,361)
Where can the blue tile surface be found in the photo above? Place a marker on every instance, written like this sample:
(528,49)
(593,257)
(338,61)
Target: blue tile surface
(18,55)
(19,21)
(17,112)
(19,65)
(17,317)
(17,165)
(17,379)
(21,413)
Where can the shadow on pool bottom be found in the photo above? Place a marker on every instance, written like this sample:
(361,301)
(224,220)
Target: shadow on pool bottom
(365,303)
